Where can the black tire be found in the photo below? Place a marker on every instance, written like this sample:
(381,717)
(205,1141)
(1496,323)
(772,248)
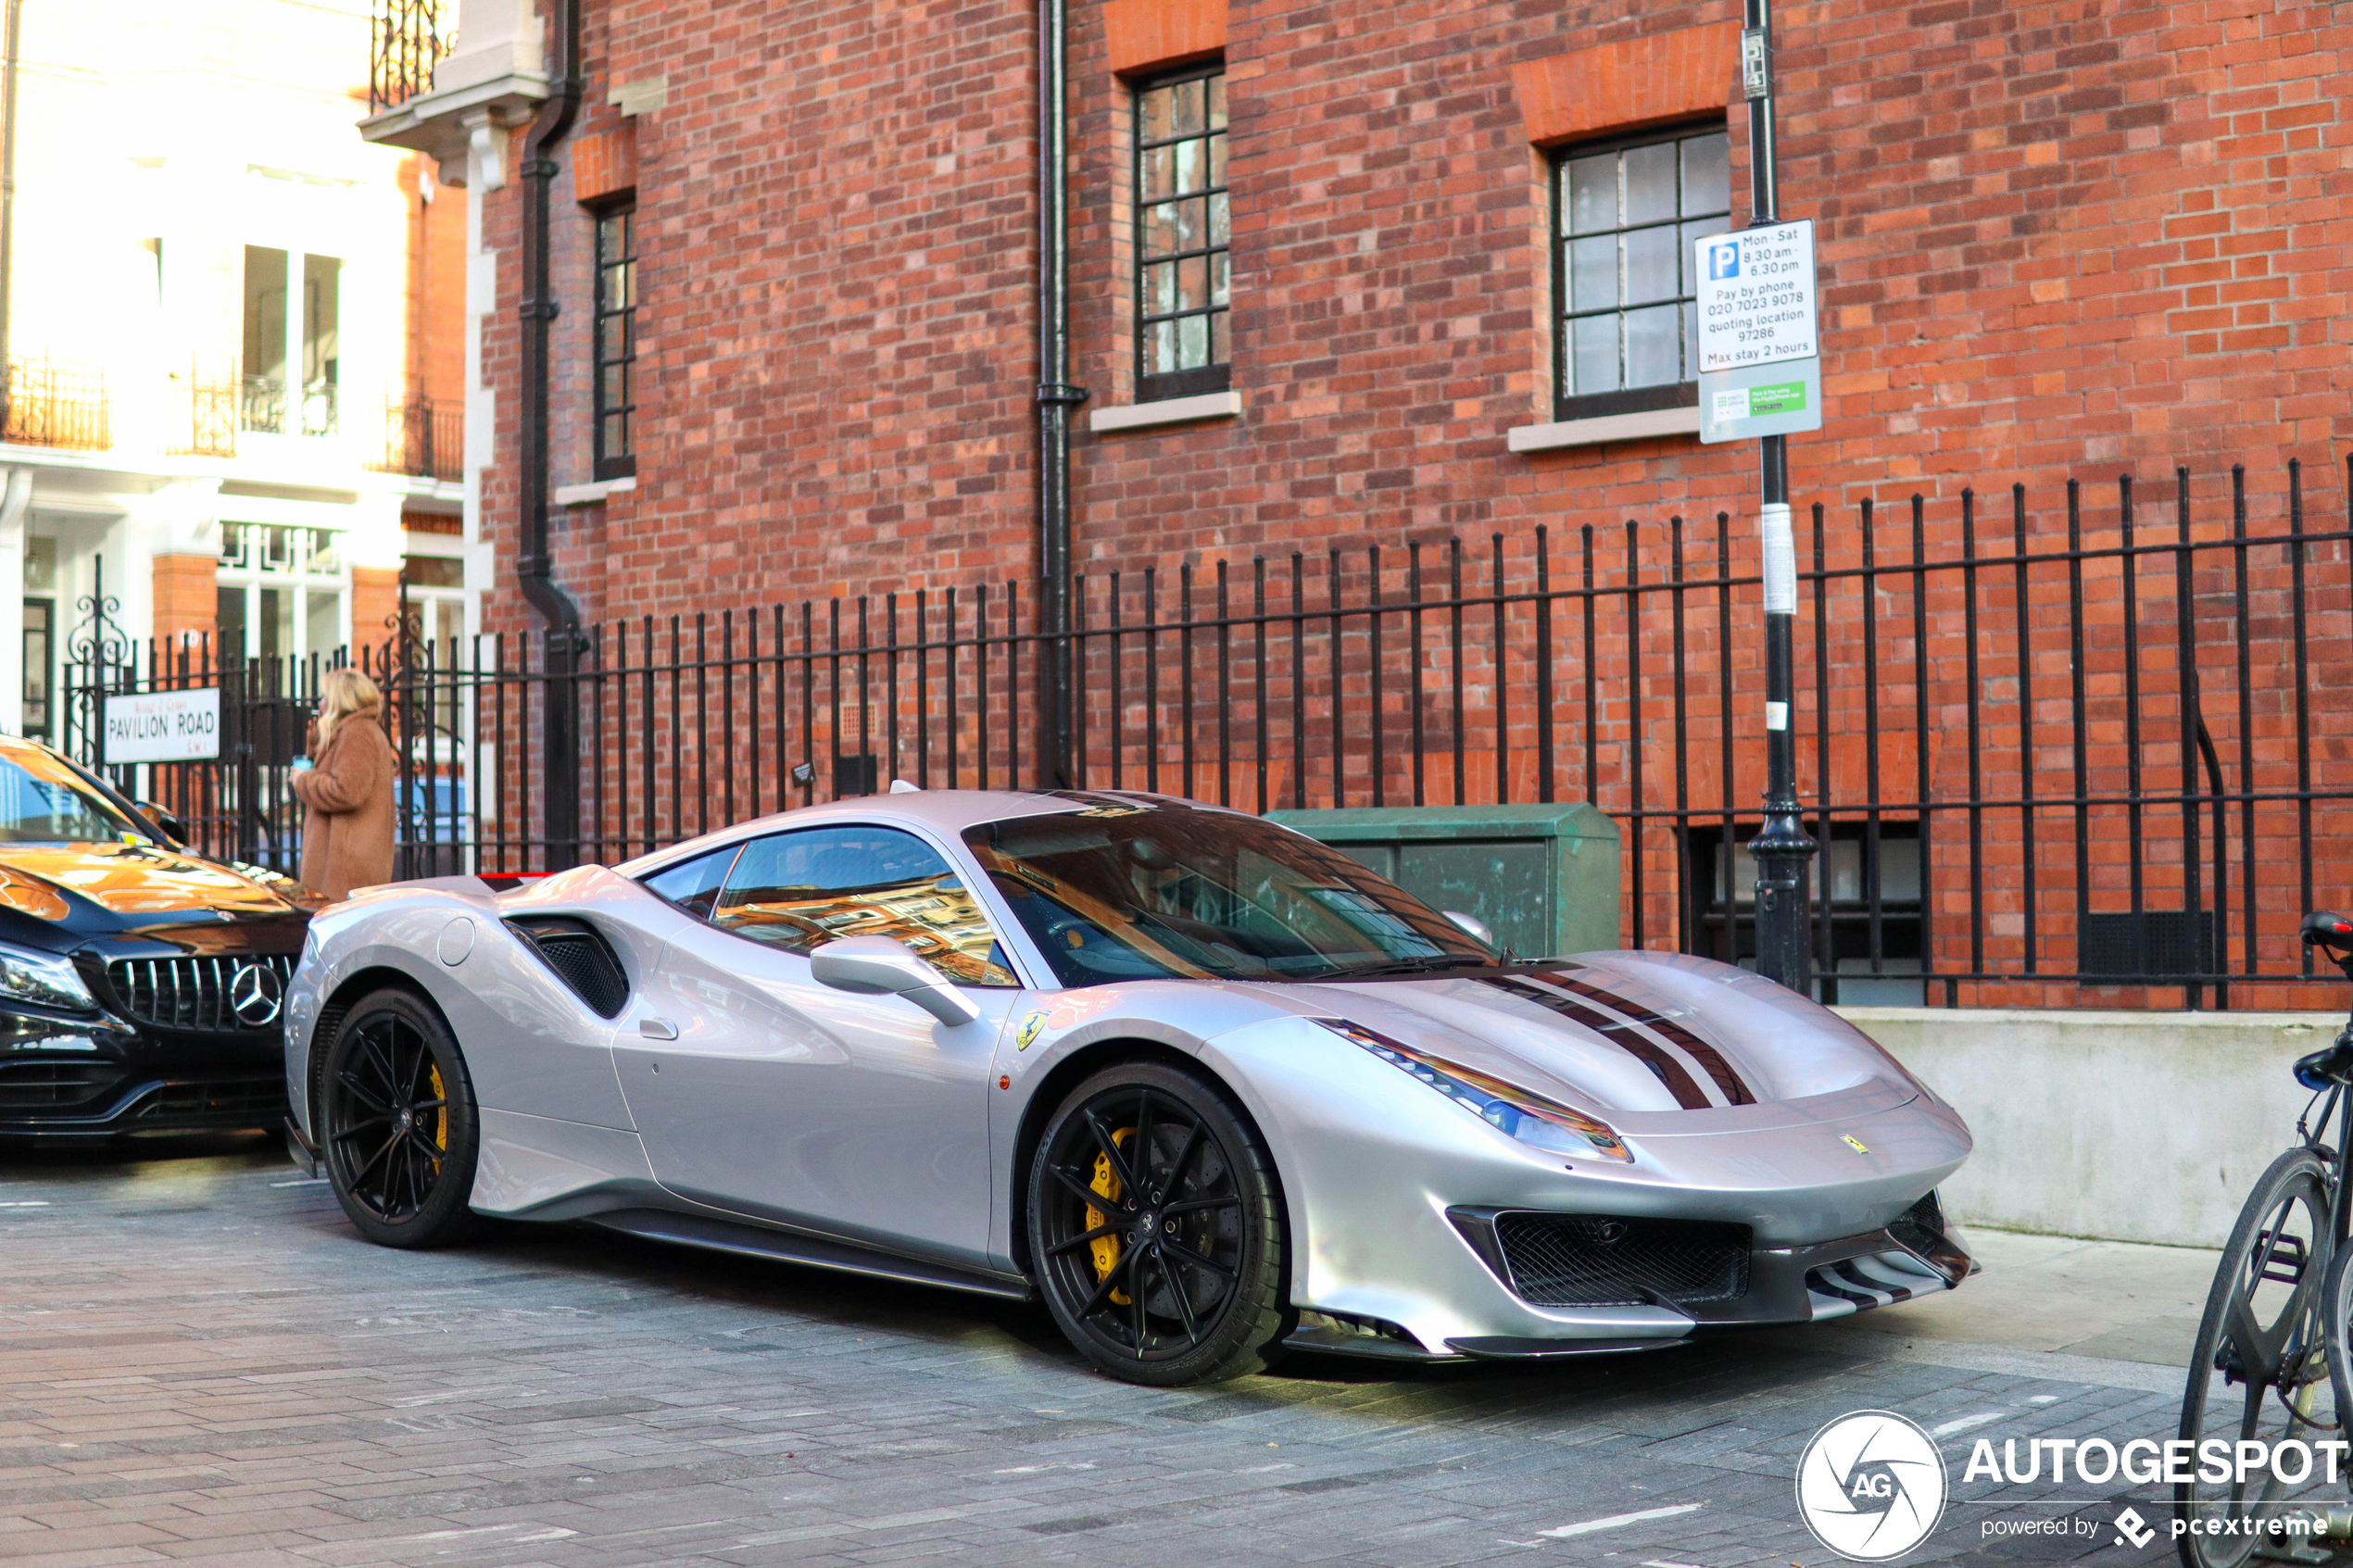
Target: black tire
(397,1130)
(1204,1296)
(2336,1320)
(2258,1369)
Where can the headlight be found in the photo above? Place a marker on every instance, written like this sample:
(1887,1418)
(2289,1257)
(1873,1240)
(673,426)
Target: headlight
(44,978)
(1524,1115)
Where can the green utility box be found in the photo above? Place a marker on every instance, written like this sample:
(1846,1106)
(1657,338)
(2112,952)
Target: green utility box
(1544,878)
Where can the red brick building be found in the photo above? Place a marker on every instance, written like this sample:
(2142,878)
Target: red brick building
(1349,275)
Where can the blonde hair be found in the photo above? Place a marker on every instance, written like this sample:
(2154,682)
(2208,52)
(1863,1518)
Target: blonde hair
(343,693)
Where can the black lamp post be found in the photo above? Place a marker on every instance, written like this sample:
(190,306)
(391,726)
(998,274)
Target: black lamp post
(1783,851)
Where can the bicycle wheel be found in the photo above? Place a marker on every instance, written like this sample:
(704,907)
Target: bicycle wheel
(2259,1369)
(2337,1327)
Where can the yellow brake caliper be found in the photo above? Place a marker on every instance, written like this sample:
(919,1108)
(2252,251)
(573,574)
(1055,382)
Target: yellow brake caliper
(441,1117)
(1106,1247)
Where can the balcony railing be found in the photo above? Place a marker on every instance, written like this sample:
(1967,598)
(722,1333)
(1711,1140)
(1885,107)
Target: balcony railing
(424,440)
(45,404)
(211,428)
(408,38)
(270,408)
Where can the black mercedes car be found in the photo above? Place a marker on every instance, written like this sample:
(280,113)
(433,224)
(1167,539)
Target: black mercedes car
(139,983)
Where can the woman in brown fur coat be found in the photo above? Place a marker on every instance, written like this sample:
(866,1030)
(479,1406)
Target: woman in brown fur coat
(346,792)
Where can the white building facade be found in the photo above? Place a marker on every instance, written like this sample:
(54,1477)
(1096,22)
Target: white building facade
(220,428)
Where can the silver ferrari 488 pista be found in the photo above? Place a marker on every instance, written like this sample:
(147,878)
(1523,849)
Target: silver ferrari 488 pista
(1206,1086)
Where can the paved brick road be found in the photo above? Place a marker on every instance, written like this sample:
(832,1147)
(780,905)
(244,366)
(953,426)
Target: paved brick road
(199,1362)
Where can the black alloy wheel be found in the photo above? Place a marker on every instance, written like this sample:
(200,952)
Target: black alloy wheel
(397,1124)
(1156,1233)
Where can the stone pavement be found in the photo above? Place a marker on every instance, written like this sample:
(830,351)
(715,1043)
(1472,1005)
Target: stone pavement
(201,1363)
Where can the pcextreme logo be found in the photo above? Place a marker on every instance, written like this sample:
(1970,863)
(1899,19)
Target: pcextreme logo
(1871,1486)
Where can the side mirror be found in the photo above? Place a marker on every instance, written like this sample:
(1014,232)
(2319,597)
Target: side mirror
(173,828)
(884,966)
(1471,923)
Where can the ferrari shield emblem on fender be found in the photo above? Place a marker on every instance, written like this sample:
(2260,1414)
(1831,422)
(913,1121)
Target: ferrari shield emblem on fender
(1858,1144)
(1028,1031)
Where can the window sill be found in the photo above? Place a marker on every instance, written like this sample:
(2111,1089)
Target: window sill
(1649,423)
(1171,411)
(597,490)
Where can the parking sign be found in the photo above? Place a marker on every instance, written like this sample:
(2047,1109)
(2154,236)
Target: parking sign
(1760,368)
(1756,296)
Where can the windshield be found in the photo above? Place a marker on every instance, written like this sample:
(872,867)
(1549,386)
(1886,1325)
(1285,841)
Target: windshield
(43,801)
(1131,891)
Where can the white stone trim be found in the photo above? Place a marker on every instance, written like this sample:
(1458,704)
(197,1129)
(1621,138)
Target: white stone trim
(595,491)
(1169,411)
(636,97)
(434,123)
(1646,425)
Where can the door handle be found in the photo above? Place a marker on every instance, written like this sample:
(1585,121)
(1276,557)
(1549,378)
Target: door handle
(657,1029)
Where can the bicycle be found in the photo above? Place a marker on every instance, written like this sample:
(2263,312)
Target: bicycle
(2270,1362)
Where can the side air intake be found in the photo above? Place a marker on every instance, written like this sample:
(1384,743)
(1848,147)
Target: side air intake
(581,958)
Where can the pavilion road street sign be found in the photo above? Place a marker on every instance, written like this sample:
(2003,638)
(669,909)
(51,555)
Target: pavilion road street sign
(1760,364)
(163,727)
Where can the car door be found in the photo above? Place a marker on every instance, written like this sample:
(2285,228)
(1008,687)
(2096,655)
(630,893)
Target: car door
(758,1089)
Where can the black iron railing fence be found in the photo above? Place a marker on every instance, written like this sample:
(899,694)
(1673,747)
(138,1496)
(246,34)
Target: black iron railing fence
(2087,748)
(424,439)
(238,806)
(407,39)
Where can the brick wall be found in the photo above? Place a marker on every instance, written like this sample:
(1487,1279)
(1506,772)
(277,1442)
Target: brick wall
(437,286)
(376,607)
(185,604)
(2056,239)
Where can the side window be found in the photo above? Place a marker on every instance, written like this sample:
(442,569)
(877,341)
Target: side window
(694,885)
(800,890)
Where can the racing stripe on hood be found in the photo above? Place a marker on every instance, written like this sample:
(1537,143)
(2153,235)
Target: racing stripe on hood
(1736,1089)
(1680,1083)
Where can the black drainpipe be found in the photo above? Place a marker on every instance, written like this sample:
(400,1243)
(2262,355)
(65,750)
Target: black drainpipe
(560,710)
(8,203)
(1056,398)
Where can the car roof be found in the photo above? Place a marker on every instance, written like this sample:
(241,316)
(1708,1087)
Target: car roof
(945,811)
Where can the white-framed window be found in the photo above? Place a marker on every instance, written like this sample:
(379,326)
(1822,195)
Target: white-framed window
(284,592)
(433,584)
(292,351)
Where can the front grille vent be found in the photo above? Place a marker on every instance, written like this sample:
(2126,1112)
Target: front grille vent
(581,959)
(198,995)
(264,1099)
(1603,1260)
(1921,1227)
(48,1085)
